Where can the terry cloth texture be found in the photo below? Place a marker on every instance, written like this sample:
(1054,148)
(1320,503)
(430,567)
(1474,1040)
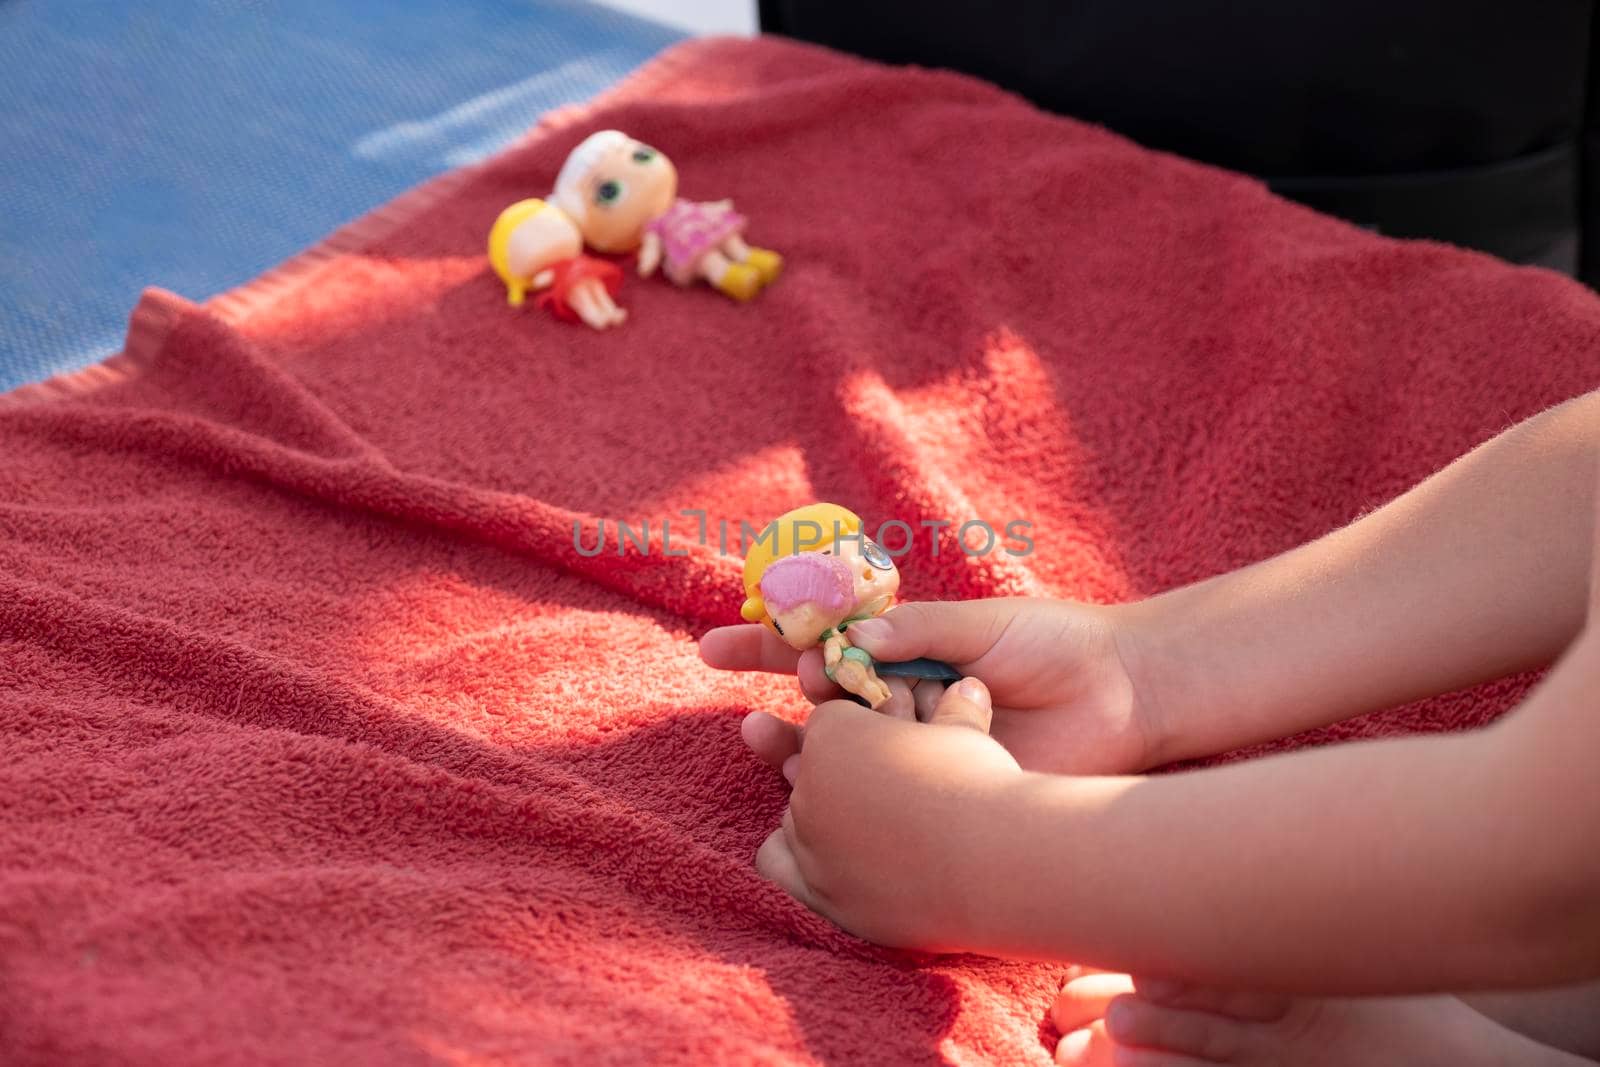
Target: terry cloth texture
(322,739)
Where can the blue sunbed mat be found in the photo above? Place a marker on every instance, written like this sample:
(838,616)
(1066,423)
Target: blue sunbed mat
(193,144)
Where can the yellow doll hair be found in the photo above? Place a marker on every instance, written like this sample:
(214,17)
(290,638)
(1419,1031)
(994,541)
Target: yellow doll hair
(500,246)
(807,529)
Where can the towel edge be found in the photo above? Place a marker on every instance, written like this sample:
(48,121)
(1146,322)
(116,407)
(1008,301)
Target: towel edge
(155,312)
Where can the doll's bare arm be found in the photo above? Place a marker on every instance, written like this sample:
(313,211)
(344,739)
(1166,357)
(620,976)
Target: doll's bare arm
(649,254)
(542,279)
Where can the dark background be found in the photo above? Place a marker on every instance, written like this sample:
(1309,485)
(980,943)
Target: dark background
(1470,122)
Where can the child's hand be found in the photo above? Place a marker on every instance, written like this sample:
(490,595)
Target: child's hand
(886,826)
(1111,1020)
(1107,1018)
(1065,698)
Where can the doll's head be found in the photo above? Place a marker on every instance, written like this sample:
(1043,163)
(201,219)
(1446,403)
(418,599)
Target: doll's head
(612,186)
(818,559)
(530,236)
(807,594)
(873,575)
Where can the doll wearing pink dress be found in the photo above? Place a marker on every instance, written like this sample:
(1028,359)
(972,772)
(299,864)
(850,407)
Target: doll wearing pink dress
(688,232)
(623,196)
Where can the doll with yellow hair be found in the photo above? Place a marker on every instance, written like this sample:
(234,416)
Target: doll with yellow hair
(810,574)
(534,245)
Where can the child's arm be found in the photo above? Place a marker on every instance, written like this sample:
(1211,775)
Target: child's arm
(1478,572)
(1410,865)
(1459,862)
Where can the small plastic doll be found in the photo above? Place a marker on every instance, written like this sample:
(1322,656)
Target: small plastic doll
(623,196)
(812,573)
(534,245)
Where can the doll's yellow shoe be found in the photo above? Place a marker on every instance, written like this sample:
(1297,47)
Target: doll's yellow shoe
(740,281)
(767,263)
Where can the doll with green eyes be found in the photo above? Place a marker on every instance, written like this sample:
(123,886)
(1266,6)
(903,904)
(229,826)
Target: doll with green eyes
(623,196)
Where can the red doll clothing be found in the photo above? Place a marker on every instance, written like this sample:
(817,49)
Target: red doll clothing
(568,273)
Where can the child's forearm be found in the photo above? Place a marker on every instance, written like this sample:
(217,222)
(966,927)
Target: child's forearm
(1458,862)
(1478,572)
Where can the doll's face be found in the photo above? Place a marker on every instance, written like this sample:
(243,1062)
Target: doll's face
(801,626)
(626,188)
(874,574)
(815,591)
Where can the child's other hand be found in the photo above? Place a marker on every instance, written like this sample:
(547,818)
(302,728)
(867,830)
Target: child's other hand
(1112,1020)
(1108,1019)
(1065,699)
(887,823)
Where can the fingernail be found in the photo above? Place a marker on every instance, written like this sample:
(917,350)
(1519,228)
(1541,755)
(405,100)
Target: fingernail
(1119,1019)
(870,629)
(974,690)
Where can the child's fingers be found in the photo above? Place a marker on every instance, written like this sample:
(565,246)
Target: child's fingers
(775,861)
(1088,1046)
(1150,1057)
(1084,998)
(814,681)
(964,704)
(747,647)
(957,631)
(901,702)
(1254,1007)
(769,737)
(1134,1021)
(926,697)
